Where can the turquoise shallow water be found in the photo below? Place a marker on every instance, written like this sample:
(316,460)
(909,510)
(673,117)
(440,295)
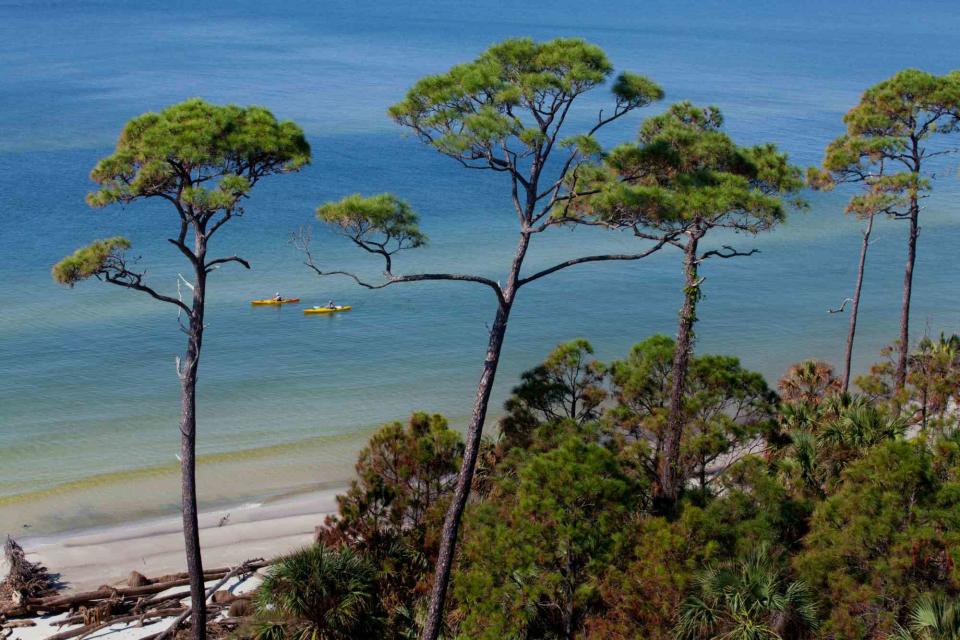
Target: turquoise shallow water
(87,384)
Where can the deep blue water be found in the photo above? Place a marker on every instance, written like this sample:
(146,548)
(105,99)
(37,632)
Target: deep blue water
(87,382)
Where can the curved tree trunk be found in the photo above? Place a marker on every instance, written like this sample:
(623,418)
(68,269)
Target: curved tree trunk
(188,467)
(670,476)
(451,524)
(855,305)
(904,343)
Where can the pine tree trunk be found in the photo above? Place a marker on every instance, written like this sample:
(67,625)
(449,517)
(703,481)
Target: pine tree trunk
(855,306)
(904,345)
(188,467)
(451,523)
(568,606)
(670,477)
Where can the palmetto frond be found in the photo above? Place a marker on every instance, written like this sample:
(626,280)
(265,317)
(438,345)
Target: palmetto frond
(932,618)
(317,593)
(746,600)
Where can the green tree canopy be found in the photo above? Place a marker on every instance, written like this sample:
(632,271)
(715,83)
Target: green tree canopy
(725,406)
(684,169)
(393,511)
(511,101)
(203,156)
(890,533)
(93,260)
(535,545)
(887,148)
(405,476)
(568,385)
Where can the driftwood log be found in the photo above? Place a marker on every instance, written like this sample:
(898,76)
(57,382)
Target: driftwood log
(143,618)
(171,631)
(29,589)
(92,611)
(53,604)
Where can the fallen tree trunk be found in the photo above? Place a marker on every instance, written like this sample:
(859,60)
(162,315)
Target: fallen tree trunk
(109,606)
(17,624)
(97,626)
(246,567)
(61,603)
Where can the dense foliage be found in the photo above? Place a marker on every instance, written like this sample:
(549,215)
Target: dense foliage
(808,514)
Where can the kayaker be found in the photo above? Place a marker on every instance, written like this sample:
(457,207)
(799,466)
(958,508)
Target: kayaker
(331,305)
(277,297)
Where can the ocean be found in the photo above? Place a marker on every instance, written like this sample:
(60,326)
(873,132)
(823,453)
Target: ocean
(88,394)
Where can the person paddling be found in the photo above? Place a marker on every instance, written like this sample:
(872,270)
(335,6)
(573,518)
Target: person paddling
(277,297)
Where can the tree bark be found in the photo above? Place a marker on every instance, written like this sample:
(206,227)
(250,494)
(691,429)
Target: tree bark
(855,305)
(188,442)
(670,476)
(451,524)
(904,345)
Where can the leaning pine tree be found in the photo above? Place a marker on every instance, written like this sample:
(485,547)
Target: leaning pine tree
(203,160)
(682,180)
(889,144)
(504,112)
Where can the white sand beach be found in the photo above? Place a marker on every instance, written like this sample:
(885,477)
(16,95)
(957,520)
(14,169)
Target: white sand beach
(87,559)
(90,558)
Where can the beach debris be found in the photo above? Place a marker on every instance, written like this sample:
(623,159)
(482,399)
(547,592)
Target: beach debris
(142,620)
(245,570)
(240,608)
(155,601)
(137,579)
(223,597)
(30,590)
(17,624)
(113,601)
(25,580)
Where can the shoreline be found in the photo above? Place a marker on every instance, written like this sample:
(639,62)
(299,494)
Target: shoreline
(224,480)
(90,557)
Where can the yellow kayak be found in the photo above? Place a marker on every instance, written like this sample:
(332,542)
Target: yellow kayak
(328,309)
(272,301)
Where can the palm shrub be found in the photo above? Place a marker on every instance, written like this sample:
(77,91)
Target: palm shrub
(318,593)
(808,381)
(747,600)
(834,433)
(932,618)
